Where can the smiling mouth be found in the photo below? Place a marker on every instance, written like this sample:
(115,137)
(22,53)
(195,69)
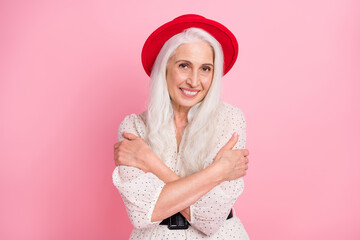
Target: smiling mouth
(189,93)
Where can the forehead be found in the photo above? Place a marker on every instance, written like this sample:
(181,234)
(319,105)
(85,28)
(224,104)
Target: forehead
(199,51)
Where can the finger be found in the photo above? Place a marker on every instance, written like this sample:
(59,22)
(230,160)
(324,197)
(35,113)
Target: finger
(116,145)
(246,152)
(232,141)
(121,160)
(116,160)
(129,136)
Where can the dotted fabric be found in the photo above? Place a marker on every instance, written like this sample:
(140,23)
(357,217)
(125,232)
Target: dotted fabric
(140,190)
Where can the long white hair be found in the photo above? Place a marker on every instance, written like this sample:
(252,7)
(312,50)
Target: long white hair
(198,137)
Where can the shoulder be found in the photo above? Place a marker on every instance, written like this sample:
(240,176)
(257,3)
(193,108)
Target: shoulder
(231,112)
(233,120)
(134,123)
(134,118)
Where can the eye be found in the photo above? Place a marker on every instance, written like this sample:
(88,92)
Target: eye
(183,65)
(206,69)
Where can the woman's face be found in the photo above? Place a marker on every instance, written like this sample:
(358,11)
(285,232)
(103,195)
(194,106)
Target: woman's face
(189,74)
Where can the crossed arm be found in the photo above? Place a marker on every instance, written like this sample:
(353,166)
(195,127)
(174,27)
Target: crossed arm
(151,191)
(179,193)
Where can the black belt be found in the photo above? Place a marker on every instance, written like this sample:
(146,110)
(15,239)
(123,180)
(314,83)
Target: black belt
(178,221)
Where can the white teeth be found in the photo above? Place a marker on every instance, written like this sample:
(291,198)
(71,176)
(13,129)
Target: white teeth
(189,93)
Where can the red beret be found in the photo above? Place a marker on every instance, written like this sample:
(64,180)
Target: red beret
(156,40)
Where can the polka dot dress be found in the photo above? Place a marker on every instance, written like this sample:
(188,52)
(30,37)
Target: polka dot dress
(140,190)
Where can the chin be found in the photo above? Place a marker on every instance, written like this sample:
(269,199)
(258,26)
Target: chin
(189,104)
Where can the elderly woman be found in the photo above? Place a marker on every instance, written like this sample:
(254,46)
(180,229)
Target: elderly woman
(180,163)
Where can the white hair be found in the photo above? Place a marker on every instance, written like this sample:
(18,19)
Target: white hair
(198,137)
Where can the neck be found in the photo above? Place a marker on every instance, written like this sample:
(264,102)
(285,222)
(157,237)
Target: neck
(180,118)
(180,113)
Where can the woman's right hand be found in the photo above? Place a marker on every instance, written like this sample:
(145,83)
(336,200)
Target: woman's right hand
(232,163)
(134,152)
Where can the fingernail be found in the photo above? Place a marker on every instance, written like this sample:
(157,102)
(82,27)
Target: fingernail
(235,134)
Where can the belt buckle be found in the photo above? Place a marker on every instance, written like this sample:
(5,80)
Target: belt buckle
(177,221)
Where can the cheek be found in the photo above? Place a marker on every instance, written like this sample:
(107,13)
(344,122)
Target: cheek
(173,81)
(177,78)
(207,83)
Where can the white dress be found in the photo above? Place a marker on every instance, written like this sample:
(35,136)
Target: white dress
(140,190)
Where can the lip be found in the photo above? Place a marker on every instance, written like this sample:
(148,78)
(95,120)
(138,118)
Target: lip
(189,90)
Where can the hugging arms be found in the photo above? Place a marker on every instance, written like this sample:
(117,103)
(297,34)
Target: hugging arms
(221,182)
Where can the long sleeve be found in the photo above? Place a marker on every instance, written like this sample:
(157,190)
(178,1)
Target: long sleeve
(211,210)
(138,190)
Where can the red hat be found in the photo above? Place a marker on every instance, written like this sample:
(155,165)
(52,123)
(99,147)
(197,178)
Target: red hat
(157,39)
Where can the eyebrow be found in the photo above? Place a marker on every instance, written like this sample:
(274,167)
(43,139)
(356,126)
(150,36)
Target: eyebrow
(181,60)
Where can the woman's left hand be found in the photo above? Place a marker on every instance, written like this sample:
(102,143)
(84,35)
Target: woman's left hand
(133,152)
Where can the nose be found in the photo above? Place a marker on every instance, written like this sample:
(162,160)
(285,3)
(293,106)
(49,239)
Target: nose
(193,79)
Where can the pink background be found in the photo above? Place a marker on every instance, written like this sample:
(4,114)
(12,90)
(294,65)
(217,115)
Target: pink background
(70,71)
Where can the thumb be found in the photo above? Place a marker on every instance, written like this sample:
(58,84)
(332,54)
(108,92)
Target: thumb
(129,136)
(232,141)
